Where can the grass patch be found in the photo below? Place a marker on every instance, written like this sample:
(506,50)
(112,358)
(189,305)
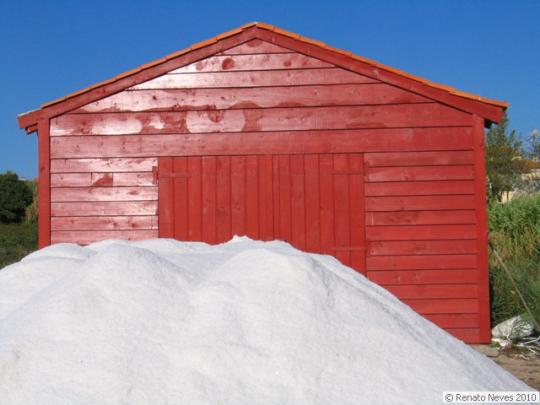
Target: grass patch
(16,241)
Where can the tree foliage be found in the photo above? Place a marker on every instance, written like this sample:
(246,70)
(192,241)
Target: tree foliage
(15,196)
(533,164)
(534,143)
(504,164)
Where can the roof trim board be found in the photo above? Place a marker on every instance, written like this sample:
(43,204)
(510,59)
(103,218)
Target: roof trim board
(491,110)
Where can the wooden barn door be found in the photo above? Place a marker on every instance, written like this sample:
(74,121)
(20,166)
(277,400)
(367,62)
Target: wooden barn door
(313,201)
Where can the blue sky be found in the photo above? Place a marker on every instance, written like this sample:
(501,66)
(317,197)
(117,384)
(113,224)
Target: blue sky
(51,48)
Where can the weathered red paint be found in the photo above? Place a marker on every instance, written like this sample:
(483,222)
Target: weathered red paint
(236,98)
(257,78)
(253,47)
(261,120)
(81,150)
(98,223)
(231,63)
(264,134)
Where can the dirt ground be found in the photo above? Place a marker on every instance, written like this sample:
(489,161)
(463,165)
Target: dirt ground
(526,368)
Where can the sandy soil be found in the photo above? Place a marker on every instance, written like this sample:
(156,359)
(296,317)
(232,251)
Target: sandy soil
(526,368)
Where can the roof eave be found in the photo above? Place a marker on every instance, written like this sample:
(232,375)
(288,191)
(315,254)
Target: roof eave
(28,121)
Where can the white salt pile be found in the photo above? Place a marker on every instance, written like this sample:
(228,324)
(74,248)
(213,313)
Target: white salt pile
(164,322)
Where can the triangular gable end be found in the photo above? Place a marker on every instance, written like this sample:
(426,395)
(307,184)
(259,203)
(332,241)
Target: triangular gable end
(264,39)
(256,74)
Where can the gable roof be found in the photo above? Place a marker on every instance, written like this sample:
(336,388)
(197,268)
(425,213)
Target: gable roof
(491,110)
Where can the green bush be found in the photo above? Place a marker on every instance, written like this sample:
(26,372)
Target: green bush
(16,241)
(15,196)
(515,234)
(32,209)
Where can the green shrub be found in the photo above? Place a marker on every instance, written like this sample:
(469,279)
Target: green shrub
(16,241)
(515,233)
(15,196)
(32,209)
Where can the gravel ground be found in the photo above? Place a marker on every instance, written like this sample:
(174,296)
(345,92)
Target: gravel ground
(526,368)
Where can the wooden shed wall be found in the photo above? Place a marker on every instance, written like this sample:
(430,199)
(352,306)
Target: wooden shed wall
(420,174)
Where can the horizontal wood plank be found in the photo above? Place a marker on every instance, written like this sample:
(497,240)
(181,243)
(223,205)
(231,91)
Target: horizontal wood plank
(65,194)
(86,237)
(442,276)
(437,158)
(444,306)
(428,262)
(103,165)
(275,61)
(405,188)
(434,291)
(253,97)
(429,247)
(253,47)
(420,203)
(420,232)
(291,77)
(134,179)
(104,223)
(288,142)
(454,320)
(421,217)
(420,173)
(102,179)
(249,120)
(469,335)
(71,179)
(103,208)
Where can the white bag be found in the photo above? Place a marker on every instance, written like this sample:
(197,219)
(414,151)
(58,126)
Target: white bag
(515,328)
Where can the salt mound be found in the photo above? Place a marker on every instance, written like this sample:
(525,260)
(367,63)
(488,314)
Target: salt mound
(245,322)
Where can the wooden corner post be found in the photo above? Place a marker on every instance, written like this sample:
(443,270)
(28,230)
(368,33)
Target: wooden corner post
(44,184)
(481,229)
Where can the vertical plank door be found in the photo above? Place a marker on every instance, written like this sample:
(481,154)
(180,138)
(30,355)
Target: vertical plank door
(313,201)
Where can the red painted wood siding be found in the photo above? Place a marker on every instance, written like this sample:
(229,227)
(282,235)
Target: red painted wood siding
(99,198)
(276,126)
(421,232)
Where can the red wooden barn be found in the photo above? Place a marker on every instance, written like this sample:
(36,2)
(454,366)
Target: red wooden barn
(262,132)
